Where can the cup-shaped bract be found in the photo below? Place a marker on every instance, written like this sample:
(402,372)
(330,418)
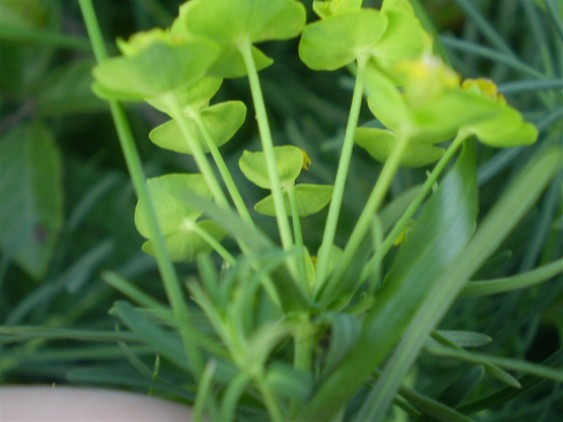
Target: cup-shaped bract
(348,32)
(505,129)
(431,107)
(154,65)
(221,120)
(379,143)
(327,8)
(177,219)
(248,22)
(309,199)
(290,161)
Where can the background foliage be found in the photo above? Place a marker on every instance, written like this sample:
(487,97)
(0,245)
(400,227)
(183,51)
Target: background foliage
(66,204)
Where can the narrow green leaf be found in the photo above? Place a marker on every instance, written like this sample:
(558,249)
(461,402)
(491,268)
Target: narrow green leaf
(501,220)
(288,382)
(456,392)
(441,232)
(167,344)
(466,338)
(32,197)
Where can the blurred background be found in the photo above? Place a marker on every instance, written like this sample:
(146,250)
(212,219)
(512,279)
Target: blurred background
(66,204)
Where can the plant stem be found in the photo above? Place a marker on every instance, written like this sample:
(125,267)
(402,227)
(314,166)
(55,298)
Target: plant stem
(269,399)
(341,175)
(372,205)
(298,235)
(198,154)
(414,205)
(170,280)
(267,144)
(217,247)
(223,170)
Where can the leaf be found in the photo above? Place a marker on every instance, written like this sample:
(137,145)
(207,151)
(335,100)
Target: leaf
(289,163)
(166,343)
(379,143)
(187,245)
(222,121)
(404,38)
(248,20)
(184,236)
(344,332)
(230,63)
(157,69)
(288,382)
(326,8)
(310,199)
(466,338)
(195,96)
(32,197)
(337,41)
(445,225)
(67,90)
(167,196)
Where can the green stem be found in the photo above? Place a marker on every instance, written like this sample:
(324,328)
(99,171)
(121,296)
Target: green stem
(401,224)
(341,175)
(270,401)
(224,170)
(267,145)
(199,156)
(372,205)
(217,247)
(298,235)
(170,280)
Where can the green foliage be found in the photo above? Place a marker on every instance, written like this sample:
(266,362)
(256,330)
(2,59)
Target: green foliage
(32,212)
(374,293)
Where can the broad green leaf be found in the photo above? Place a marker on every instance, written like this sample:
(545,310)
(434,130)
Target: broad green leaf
(186,244)
(444,227)
(240,21)
(67,90)
(173,211)
(310,200)
(379,143)
(222,121)
(29,34)
(339,40)
(157,69)
(327,8)
(289,163)
(31,210)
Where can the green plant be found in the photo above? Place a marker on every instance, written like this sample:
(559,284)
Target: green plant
(275,328)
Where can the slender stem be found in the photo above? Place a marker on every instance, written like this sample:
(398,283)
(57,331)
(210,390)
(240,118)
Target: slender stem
(217,247)
(267,145)
(372,205)
(198,154)
(401,224)
(304,339)
(170,280)
(224,170)
(341,175)
(270,401)
(298,235)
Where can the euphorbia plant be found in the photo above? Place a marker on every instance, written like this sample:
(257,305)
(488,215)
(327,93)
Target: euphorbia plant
(288,330)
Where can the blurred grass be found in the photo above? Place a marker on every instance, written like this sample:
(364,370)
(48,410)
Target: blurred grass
(483,38)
